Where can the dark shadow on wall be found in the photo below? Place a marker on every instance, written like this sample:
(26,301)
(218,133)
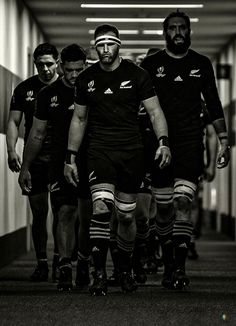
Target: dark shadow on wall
(8,81)
(12,245)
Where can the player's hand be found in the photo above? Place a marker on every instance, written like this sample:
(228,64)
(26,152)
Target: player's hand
(223,156)
(14,162)
(24,180)
(209,174)
(163,152)
(71,174)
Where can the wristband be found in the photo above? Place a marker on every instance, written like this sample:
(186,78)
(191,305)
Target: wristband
(69,154)
(223,137)
(164,141)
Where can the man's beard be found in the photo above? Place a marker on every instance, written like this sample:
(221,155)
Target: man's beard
(110,58)
(178,48)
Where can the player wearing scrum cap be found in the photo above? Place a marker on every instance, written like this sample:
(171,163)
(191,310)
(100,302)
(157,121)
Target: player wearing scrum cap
(107,100)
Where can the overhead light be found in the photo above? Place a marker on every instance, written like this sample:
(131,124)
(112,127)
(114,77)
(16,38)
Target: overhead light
(139,6)
(139,42)
(152,31)
(130,50)
(155,32)
(143,42)
(131,20)
(121,31)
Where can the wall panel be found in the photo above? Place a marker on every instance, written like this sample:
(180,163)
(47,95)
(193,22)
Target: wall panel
(19,36)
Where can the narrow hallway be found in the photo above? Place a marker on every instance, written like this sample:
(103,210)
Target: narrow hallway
(210,299)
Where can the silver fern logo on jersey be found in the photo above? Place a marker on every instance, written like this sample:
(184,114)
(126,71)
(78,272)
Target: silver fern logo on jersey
(54,103)
(160,71)
(30,97)
(54,187)
(126,84)
(90,86)
(195,73)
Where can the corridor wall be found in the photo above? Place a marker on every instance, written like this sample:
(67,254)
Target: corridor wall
(219,196)
(19,35)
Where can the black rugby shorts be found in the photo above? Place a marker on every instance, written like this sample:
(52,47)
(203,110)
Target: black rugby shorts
(186,164)
(122,168)
(39,178)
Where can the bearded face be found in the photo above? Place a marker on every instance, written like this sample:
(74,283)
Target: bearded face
(178,44)
(177,35)
(108,53)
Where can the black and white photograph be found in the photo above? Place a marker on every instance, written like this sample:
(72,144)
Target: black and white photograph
(118,163)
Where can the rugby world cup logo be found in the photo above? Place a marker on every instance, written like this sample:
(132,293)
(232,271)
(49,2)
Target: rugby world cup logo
(160,71)
(30,97)
(54,102)
(90,86)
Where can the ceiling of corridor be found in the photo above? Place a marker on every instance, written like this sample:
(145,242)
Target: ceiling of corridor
(64,22)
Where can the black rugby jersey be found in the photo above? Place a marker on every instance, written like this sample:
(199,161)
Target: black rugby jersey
(55,103)
(23,99)
(113,99)
(179,84)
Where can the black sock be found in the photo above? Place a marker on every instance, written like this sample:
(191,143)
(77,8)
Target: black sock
(182,232)
(99,239)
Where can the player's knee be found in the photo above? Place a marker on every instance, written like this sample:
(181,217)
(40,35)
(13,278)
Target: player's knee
(183,197)
(182,203)
(67,214)
(164,209)
(142,222)
(164,204)
(183,208)
(125,211)
(102,206)
(142,228)
(185,190)
(126,218)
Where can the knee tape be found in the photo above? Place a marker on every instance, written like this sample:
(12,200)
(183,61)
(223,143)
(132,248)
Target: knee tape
(184,188)
(103,200)
(163,196)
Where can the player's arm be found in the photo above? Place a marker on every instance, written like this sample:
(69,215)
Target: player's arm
(211,149)
(160,128)
(33,146)
(14,120)
(76,134)
(214,107)
(224,151)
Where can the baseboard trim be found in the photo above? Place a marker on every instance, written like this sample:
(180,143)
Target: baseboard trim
(12,245)
(227,223)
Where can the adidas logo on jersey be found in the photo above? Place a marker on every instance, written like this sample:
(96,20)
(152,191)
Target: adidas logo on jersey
(183,245)
(142,185)
(108,91)
(178,78)
(95,249)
